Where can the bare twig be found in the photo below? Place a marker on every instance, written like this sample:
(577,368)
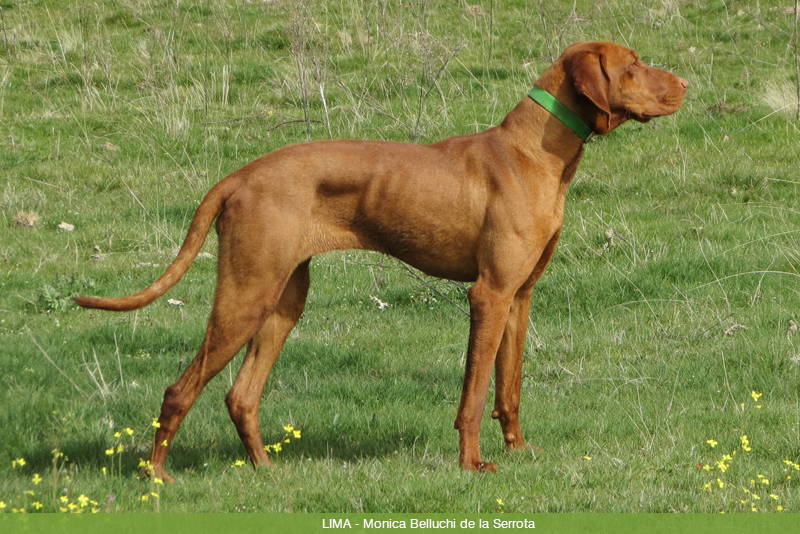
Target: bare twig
(429,286)
(84,395)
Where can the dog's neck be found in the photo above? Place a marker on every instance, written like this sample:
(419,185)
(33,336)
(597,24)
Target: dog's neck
(536,132)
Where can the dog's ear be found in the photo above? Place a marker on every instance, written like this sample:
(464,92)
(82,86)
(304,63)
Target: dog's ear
(592,81)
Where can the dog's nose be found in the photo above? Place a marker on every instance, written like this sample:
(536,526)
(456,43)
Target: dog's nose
(684,82)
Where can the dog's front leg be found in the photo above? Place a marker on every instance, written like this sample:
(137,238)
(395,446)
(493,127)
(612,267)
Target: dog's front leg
(508,365)
(489,309)
(508,369)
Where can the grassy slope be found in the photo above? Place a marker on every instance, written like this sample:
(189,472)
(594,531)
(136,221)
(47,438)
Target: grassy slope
(118,116)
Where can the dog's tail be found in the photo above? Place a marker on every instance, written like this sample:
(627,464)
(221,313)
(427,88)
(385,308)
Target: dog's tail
(206,212)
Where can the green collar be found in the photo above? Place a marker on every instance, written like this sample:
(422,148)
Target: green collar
(561,112)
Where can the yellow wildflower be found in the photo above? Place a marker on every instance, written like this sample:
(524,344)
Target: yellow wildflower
(117,434)
(707,486)
(746,444)
(105,471)
(36,478)
(156,424)
(779,508)
(238,463)
(296,433)
(775,497)
(720,483)
(288,428)
(165,443)
(277,447)
(157,480)
(18,462)
(129,431)
(83,500)
(31,493)
(63,499)
(37,505)
(154,494)
(755,395)
(712,443)
(110,451)
(120,447)
(145,497)
(2,505)
(500,502)
(587,458)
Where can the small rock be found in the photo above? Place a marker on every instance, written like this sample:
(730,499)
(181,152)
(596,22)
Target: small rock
(66,227)
(175,302)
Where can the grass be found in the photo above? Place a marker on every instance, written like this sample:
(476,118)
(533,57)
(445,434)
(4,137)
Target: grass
(668,315)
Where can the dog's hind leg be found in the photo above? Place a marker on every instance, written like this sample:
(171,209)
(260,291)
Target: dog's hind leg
(244,397)
(242,302)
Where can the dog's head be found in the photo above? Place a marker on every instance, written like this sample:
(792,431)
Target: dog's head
(612,85)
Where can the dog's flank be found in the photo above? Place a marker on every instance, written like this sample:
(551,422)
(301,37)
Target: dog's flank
(484,208)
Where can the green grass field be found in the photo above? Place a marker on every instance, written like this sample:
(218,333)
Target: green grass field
(666,323)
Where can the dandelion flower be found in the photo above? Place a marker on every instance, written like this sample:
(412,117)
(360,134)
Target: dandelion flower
(36,478)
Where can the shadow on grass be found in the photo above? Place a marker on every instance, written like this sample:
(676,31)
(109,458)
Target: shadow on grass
(90,455)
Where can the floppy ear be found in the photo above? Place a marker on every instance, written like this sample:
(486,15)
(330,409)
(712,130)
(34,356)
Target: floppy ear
(592,81)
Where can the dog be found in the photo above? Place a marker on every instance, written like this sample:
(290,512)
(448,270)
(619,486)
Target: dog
(485,208)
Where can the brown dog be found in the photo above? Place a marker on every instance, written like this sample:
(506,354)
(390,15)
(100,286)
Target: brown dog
(484,208)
